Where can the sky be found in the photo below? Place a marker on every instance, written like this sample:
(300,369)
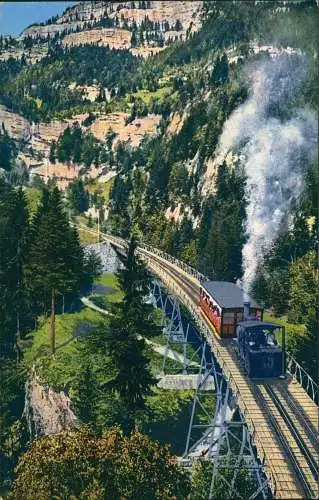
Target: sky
(15,16)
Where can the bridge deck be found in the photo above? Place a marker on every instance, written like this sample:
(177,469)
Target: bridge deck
(281,439)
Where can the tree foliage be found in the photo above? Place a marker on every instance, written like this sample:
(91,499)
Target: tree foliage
(112,466)
(78,196)
(244,485)
(132,320)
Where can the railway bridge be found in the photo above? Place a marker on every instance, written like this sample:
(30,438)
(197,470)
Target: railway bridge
(280,415)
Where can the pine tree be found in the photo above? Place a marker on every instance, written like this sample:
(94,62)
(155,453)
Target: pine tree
(86,396)
(52,156)
(136,281)
(101,97)
(133,379)
(55,259)
(7,149)
(222,232)
(178,25)
(13,245)
(133,38)
(78,196)
(220,71)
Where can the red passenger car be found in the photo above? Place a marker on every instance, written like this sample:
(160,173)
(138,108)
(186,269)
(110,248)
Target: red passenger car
(223,305)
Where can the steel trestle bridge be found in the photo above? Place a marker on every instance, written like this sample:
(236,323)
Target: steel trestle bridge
(270,427)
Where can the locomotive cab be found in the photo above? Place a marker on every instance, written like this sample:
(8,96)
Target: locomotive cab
(259,348)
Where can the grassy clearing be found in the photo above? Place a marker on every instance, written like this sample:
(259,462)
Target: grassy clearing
(58,371)
(147,95)
(33,196)
(101,188)
(110,280)
(83,220)
(87,238)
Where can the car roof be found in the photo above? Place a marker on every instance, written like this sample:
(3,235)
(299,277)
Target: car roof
(227,294)
(254,323)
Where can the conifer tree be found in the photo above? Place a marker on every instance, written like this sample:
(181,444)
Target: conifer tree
(136,281)
(55,258)
(86,396)
(78,196)
(133,379)
(13,243)
(52,156)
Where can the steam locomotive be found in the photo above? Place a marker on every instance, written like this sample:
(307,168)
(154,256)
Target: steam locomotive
(233,314)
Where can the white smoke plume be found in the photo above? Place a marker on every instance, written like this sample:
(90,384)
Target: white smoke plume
(274,151)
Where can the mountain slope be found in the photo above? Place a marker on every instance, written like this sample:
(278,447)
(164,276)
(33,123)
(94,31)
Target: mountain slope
(169,186)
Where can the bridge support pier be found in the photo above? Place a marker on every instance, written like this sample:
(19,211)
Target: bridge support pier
(176,330)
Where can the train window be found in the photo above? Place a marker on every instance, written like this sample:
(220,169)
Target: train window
(216,311)
(271,339)
(228,318)
(258,314)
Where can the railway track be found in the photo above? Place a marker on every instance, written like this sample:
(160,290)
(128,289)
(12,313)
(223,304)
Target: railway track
(303,453)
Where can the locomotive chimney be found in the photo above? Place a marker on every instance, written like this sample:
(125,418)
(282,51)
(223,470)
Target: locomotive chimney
(246,306)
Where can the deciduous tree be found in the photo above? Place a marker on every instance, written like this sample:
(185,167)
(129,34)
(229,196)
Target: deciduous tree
(76,464)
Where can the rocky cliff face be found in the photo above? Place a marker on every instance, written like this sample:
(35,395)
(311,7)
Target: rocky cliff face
(114,38)
(37,139)
(17,127)
(81,24)
(165,13)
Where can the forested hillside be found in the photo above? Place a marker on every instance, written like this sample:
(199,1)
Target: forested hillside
(186,190)
(194,128)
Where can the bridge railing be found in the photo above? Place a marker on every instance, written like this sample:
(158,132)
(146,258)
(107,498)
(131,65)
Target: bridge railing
(302,377)
(179,263)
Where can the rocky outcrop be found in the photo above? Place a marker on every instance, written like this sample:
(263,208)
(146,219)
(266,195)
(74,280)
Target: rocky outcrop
(50,30)
(32,56)
(79,25)
(132,132)
(146,52)
(175,124)
(186,12)
(42,134)
(17,127)
(46,412)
